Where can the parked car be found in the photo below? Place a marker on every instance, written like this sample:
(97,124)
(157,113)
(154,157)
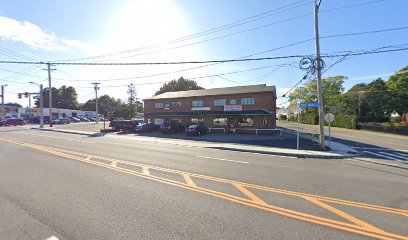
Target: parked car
(147,127)
(61,121)
(171,127)
(12,122)
(84,119)
(196,130)
(74,119)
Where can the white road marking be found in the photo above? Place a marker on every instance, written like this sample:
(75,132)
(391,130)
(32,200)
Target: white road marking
(47,136)
(393,155)
(52,238)
(372,148)
(222,159)
(401,154)
(384,156)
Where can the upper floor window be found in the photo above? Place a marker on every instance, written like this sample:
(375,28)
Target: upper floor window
(197,103)
(220,102)
(158,105)
(247,101)
(175,104)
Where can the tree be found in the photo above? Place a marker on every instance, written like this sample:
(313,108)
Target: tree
(64,97)
(179,85)
(334,100)
(104,102)
(397,86)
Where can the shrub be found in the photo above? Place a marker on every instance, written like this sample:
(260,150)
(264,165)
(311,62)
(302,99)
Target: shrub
(397,119)
(309,118)
(283,117)
(345,121)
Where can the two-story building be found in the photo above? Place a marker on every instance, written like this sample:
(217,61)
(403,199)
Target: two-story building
(252,106)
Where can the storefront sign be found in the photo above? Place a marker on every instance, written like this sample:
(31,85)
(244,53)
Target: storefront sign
(233,108)
(200,108)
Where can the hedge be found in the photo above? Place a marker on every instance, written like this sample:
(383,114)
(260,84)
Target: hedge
(340,120)
(344,121)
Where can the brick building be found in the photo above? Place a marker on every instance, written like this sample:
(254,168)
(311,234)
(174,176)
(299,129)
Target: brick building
(243,107)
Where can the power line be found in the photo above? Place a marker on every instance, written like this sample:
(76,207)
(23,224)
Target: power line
(219,29)
(206,32)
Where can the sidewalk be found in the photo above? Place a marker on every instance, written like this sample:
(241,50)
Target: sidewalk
(221,143)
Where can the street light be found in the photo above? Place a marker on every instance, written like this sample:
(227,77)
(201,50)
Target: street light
(41,104)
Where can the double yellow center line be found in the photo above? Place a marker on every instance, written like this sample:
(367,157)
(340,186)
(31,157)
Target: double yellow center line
(354,224)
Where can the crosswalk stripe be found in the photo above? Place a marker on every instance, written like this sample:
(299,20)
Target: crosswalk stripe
(380,155)
(393,155)
(401,154)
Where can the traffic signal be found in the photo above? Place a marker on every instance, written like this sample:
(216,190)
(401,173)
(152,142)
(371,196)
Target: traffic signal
(19,95)
(26,94)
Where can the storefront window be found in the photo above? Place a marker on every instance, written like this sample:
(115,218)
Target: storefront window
(176,104)
(158,121)
(246,122)
(197,120)
(158,105)
(220,121)
(220,102)
(197,103)
(247,101)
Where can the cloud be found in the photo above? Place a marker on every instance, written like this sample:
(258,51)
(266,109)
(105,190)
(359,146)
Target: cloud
(283,90)
(34,36)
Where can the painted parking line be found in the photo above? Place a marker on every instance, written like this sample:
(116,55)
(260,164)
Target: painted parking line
(222,159)
(352,225)
(48,136)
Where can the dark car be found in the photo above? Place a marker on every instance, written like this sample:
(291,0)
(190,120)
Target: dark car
(196,130)
(46,119)
(12,122)
(147,127)
(61,121)
(171,127)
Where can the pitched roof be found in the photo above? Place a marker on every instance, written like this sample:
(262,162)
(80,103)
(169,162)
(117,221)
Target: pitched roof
(216,91)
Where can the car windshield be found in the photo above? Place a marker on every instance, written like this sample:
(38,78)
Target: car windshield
(183,119)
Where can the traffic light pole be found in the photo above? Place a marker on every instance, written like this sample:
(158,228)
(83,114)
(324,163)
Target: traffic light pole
(319,77)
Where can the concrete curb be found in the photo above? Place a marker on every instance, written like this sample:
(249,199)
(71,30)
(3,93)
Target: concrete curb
(65,131)
(228,147)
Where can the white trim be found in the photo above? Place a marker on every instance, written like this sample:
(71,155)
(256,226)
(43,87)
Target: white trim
(209,129)
(261,129)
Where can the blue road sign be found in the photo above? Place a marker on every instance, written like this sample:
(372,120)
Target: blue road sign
(309,105)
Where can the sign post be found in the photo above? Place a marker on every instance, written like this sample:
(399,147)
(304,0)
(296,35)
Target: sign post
(329,117)
(109,113)
(301,106)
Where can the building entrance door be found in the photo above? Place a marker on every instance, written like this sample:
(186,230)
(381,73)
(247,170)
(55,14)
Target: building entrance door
(231,124)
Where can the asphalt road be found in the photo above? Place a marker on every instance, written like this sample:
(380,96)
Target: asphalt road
(78,187)
(372,145)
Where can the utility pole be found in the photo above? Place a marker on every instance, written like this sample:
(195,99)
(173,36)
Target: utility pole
(319,76)
(96,100)
(41,104)
(2,100)
(49,69)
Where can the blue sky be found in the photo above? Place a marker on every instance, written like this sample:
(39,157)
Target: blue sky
(65,30)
